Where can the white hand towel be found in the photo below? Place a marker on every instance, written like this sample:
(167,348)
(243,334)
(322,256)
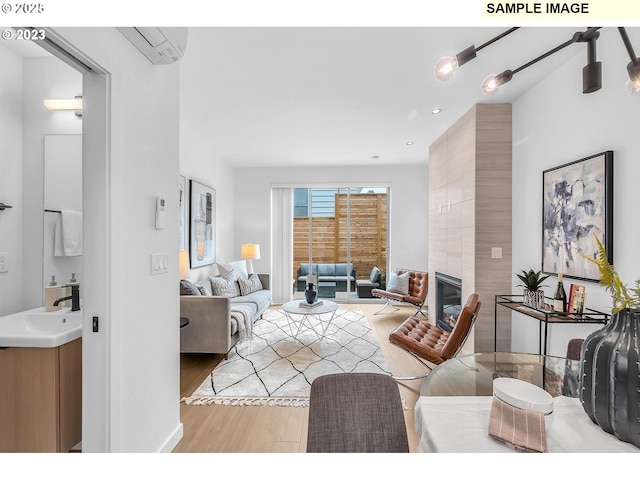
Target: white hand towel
(68,234)
(58,250)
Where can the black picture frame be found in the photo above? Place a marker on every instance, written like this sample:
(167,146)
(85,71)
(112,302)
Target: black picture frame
(202,225)
(577,202)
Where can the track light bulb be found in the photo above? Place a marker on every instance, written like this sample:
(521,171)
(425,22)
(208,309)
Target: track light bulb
(632,88)
(490,85)
(491,82)
(445,68)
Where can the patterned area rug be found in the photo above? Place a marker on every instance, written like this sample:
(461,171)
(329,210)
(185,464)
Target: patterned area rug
(274,368)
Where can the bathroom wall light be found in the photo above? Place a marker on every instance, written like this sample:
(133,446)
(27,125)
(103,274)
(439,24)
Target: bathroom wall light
(65,104)
(446,66)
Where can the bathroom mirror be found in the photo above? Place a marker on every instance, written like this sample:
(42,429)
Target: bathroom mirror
(62,212)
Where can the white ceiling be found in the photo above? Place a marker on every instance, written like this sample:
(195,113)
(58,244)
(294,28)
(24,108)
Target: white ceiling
(339,96)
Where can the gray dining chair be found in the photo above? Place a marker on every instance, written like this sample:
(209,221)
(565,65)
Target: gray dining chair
(356,413)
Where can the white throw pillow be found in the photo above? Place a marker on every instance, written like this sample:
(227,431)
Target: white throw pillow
(399,283)
(223,269)
(239,267)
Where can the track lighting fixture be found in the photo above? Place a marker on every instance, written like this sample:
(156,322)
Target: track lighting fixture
(446,66)
(632,86)
(591,73)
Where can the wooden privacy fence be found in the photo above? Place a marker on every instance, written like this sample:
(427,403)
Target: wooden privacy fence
(368,219)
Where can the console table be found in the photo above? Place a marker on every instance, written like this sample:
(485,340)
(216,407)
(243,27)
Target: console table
(545,317)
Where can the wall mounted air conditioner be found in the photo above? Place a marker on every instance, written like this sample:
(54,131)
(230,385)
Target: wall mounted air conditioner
(161,45)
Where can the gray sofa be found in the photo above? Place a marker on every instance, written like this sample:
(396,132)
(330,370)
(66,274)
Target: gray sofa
(213,319)
(328,272)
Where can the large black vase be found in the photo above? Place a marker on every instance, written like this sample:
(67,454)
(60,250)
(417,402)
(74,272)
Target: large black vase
(310,294)
(610,377)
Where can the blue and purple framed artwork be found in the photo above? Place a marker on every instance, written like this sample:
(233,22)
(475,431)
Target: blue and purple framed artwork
(577,204)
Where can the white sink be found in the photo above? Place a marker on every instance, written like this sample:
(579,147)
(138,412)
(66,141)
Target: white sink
(37,328)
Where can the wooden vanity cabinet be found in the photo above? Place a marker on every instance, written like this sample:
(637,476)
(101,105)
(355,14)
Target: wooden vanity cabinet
(41,398)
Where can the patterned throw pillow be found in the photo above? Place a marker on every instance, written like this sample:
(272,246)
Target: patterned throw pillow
(188,288)
(399,283)
(205,288)
(225,286)
(252,284)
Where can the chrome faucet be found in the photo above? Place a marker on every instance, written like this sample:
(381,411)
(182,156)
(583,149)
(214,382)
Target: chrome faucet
(75,298)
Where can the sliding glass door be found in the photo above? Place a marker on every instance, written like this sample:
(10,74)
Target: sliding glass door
(339,236)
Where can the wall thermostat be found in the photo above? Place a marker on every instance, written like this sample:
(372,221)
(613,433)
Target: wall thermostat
(160,213)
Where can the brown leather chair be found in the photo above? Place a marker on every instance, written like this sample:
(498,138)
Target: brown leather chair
(418,287)
(432,345)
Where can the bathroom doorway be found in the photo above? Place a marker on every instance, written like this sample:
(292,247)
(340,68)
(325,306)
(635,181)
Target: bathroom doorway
(96,359)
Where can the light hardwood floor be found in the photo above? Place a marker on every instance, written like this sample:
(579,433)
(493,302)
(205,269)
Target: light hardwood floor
(262,429)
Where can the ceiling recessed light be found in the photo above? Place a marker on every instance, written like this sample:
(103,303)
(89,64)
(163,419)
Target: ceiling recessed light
(436,111)
(409,143)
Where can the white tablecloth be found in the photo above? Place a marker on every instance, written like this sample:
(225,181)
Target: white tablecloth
(461,425)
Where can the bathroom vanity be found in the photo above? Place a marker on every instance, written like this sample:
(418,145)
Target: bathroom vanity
(41,381)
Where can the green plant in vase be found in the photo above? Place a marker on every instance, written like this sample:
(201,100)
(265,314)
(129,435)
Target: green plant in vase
(532,281)
(610,359)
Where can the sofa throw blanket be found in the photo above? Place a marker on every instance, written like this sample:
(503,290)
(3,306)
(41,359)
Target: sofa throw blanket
(244,318)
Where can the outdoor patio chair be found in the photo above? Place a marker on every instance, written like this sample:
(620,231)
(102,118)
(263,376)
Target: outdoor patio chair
(356,413)
(415,295)
(432,345)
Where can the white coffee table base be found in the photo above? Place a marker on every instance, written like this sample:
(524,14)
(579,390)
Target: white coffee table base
(301,319)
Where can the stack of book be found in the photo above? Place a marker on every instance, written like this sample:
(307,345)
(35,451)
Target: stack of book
(317,303)
(577,298)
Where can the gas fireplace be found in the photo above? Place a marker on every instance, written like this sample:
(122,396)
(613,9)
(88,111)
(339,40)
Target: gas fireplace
(448,300)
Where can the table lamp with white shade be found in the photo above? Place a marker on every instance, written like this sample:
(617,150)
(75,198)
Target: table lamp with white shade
(250,252)
(184,264)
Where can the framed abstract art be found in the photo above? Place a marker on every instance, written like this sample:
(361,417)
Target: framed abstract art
(202,225)
(577,204)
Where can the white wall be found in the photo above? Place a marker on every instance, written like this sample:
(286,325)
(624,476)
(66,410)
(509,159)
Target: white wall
(408,206)
(199,157)
(140,323)
(198,162)
(556,123)
(11,178)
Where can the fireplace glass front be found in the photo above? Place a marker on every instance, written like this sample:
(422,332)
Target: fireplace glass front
(448,300)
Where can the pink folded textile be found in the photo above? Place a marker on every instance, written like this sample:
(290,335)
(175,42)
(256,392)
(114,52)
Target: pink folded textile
(524,430)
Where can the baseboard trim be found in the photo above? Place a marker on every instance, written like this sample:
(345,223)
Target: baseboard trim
(173,440)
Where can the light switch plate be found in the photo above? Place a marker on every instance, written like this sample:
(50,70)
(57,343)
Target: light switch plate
(4,262)
(496,252)
(159,263)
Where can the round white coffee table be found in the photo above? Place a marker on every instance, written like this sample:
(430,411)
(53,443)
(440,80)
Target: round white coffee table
(303,317)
